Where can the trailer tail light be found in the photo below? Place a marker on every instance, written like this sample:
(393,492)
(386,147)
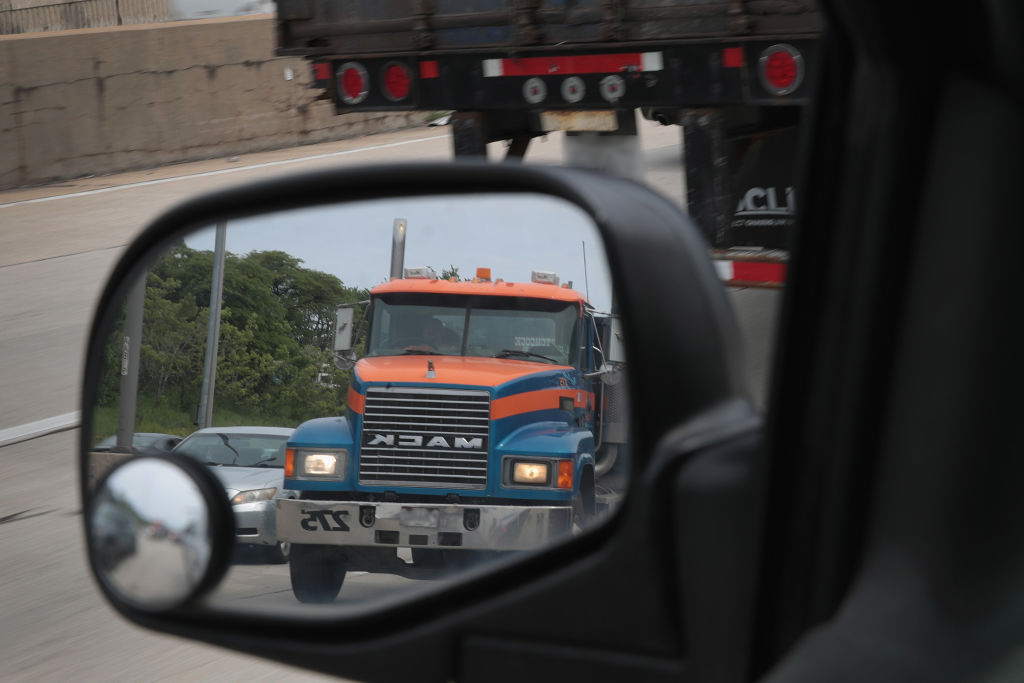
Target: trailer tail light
(353,82)
(782,69)
(397,81)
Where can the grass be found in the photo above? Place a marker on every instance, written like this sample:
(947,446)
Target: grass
(165,420)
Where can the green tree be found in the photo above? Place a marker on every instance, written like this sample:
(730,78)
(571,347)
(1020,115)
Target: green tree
(276,336)
(451,273)
(173,340)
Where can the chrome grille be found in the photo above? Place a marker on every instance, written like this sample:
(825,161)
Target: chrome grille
(425,437)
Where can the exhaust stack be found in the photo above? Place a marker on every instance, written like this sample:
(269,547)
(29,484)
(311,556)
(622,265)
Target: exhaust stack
(398,249)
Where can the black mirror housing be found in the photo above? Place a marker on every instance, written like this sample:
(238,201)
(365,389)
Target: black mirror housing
(688,397)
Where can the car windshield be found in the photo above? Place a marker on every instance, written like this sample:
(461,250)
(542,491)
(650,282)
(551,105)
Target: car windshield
(521,328)
(235,450)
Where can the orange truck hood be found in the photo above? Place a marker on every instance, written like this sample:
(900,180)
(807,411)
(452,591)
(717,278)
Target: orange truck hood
(482,372)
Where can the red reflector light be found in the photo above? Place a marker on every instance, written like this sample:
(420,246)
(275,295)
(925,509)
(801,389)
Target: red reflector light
(397,81)
(353,83)
(782,69)
(732,57)
(754,271)
(321,71)
(430,69)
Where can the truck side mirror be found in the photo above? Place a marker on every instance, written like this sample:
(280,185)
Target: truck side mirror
(344,356)
(343,316)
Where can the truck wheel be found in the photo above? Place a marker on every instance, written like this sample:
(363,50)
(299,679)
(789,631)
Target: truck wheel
(317,572)
(582,512)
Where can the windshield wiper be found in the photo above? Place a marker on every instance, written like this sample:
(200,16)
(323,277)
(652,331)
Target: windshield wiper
(421,352)
(224,438)
(505,353)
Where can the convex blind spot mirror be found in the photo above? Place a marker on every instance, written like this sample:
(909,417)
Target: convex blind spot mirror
(157,530)
(392,394)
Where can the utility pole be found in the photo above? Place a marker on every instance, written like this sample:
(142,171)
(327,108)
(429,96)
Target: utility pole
(213,330)
(130,351)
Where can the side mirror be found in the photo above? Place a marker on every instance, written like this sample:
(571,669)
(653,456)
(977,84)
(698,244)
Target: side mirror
(344,357)
(445,494)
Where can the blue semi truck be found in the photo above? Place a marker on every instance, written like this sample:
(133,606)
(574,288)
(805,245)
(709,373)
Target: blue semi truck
(479,421)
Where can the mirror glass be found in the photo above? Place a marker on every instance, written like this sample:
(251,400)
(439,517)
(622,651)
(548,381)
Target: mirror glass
(394,393)
(150,533)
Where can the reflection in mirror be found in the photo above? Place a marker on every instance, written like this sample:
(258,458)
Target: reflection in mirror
(421,387)
(150,533)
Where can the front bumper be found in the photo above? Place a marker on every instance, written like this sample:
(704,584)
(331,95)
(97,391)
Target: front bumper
(471,527)
(255,523)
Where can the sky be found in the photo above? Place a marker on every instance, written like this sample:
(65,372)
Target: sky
(512,234)
(159,491)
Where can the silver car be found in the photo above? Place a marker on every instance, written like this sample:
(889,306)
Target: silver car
(249,461)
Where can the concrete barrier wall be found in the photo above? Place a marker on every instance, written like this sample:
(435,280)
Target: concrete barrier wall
(29,16)
(97,101)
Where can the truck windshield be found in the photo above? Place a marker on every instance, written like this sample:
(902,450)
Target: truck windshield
(536,330)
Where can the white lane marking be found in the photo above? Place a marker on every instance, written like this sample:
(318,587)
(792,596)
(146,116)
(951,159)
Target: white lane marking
(33,430)
(223,171)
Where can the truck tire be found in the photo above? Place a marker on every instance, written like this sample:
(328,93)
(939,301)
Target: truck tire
(584,503)
(317,572)
(582,512)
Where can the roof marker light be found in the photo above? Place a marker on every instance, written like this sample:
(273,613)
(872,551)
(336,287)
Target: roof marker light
(483,274)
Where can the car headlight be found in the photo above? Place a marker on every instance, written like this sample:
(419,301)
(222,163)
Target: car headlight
(253,496)
(329,464)
(535,473)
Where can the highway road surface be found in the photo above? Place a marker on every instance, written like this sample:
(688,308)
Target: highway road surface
(57,246)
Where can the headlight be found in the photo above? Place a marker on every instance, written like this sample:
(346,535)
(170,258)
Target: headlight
(530,473)
(254,496)
(327,464)
(320,463)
